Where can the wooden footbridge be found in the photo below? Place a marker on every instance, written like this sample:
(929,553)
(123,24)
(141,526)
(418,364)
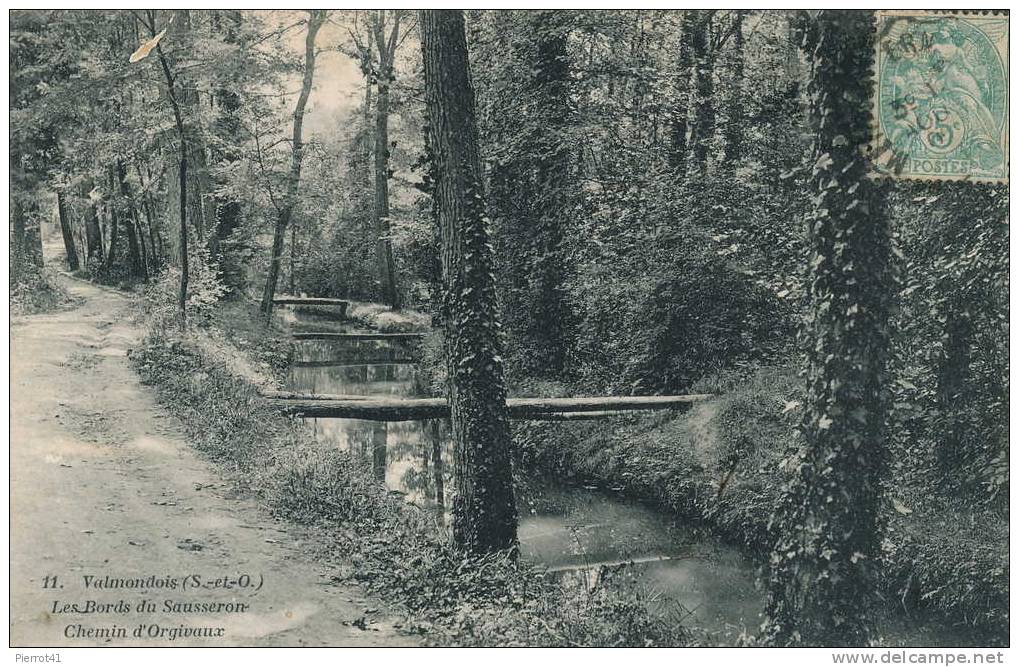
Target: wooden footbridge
(287,300)
(375,408)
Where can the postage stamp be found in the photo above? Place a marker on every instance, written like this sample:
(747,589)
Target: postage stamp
(941,96)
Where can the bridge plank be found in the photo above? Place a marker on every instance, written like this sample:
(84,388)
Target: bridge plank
(366,335)
(389,409)
(287,300)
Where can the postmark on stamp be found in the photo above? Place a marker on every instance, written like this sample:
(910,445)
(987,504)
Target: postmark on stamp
(941,96)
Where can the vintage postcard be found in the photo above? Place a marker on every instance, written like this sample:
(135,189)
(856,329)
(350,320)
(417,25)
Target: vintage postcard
(398,328)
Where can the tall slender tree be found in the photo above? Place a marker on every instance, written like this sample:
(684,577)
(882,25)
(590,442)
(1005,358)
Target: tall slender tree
(822,569)
(702,104)
(680,126)
(484,511)
(114,235)
(129,215)
(285,209)
(733,135)
(182,140)
(385,47)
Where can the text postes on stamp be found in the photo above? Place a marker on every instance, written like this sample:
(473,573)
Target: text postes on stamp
(941,96)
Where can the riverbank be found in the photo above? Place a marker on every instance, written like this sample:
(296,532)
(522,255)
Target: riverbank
(392,549)
(723,464)
(719,465)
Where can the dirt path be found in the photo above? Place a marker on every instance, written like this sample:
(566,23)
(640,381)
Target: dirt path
(103,484)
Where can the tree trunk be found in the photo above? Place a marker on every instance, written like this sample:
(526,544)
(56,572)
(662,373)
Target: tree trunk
(315,20)
(144,256)
(681,112)
(383,245)
(379,432)
(734,126)
(93,234)
(550,312)
(65,230)
(293,251)
(182,298)
(155,239)
(953,369)
(702,109)
(130,223)
(827,527)
(484,511)
(114,215)
(227,126)
(438,469)
(27,241)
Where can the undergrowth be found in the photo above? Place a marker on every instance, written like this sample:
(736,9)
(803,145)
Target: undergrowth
(36,291)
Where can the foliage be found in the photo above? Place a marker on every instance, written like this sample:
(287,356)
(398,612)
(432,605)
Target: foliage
(951,357)
(945,555)
(35,291)
(205,290)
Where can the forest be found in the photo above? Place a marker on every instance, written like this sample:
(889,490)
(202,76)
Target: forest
(546,205)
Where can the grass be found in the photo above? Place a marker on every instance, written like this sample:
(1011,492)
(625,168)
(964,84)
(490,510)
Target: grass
(385,319)
(391,549)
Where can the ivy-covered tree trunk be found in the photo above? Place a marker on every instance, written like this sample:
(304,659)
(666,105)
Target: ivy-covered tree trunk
(27,239)
(379,453)
(827,528)
(227,128)
(65,231)
(228,209)
(438,468)
(484,511)
(315,20)
(383,244)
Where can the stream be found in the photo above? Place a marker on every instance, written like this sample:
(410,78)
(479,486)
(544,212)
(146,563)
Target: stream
(577,533)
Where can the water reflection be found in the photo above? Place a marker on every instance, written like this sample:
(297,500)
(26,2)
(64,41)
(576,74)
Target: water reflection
(580,534)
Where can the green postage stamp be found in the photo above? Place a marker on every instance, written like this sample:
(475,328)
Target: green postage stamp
(941,96)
